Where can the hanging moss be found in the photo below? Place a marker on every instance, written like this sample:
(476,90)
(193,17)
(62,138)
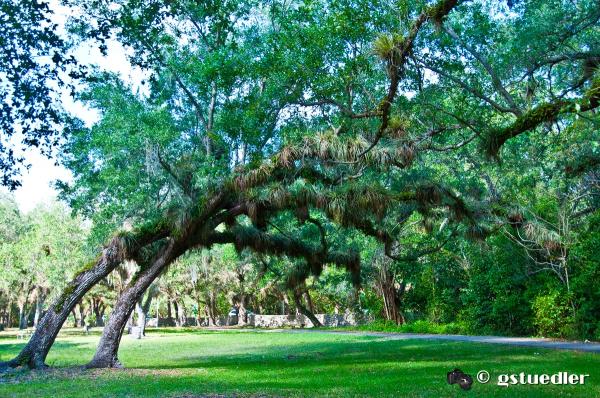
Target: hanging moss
(477,232)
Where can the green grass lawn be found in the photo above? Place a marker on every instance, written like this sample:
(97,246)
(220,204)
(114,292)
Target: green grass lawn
(171,363)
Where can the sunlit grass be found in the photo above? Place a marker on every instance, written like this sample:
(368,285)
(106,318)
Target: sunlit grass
(176,362)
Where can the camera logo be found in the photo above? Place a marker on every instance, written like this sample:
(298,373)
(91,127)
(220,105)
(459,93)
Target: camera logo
(465,381)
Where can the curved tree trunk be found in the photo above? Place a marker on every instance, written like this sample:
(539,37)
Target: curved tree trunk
(304,310)
(106,355)
(34,353)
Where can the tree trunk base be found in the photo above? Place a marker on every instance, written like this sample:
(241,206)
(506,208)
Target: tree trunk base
(24,359)
(103,363)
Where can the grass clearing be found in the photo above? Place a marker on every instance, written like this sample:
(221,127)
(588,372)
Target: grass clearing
(177,362)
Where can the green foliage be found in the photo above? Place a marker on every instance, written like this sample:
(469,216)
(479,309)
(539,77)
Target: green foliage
(424,326)
(552,317)
(586,281)
(495,301)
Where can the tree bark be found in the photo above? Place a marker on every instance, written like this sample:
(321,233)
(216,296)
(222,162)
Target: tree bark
(286,302)
(213,308)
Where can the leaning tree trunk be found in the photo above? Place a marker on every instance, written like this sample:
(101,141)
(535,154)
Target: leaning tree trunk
(106,355)
(34,353)
(309,303)
(304,310)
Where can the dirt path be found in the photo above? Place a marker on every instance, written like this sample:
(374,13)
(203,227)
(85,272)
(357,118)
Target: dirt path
(521,341)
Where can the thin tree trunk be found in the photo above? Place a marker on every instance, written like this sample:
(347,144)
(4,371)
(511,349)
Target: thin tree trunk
(241,312)
(141,321)
(177,319)
(90,312)
(181,315)
(21,316)
(210,310)
(10,313)
(197,311)
(82,314)
(129,323)
(169,312)
(74,318)
(213,308)
(97,312)
(286,302)
(38,309)
(142,308)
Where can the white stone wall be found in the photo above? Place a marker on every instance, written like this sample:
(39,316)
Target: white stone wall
(221,321)
(274,321)
(330,320)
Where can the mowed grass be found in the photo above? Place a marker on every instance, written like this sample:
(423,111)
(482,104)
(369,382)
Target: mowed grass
(171,363)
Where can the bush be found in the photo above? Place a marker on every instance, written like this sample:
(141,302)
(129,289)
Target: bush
(552,317)
(424,326)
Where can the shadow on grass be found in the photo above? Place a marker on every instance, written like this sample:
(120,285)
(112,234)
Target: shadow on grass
(359,351)
(243,364)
